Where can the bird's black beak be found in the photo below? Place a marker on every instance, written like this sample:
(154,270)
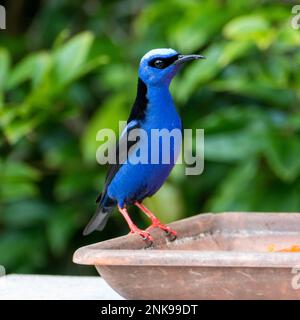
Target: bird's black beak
(184,58)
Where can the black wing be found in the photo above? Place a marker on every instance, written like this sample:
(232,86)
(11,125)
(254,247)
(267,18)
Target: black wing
(106,204)
(137,115)
(122,150)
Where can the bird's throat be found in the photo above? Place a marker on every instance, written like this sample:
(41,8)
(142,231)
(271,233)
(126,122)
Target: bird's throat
(151,100)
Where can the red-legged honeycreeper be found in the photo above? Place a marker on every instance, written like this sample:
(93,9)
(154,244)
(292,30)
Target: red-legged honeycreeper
(129,183)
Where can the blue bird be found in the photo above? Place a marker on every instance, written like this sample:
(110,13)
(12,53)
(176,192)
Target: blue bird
(128,182)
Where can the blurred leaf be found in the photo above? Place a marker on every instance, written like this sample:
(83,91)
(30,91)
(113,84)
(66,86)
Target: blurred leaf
(17,170)
(104,118)
(250,27)
(18,128)
(4,68)
(234,50)
(282,152)
(25,214)
(118,77)
(17,190)
(73,184)
(22,252)
(61,38)
(69,60)
(201,72)
(246,26)
(242,86)
(197,25)
(60,229)
(167,204)
(237,190)
(59,150)
(17,181)
(231,146)
(279,198)
(34,67)
(287,37)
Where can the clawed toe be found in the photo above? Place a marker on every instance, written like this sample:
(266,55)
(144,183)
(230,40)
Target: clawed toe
(170,233)
(146,236)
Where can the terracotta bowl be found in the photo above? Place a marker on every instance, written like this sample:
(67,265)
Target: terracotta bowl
(215,256)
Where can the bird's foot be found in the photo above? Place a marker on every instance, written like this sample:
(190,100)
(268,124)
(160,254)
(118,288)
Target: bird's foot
(170,233)
(134,229)
(146,236)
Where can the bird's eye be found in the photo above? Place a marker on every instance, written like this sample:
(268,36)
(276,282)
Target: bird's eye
(159,64)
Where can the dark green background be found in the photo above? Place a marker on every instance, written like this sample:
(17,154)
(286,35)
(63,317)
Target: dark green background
(69,68)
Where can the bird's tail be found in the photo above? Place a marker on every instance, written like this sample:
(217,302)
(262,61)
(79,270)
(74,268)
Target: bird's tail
(99,220)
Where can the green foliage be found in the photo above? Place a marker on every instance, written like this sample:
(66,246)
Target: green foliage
(60,84)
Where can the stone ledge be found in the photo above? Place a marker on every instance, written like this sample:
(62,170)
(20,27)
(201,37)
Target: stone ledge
(40,287)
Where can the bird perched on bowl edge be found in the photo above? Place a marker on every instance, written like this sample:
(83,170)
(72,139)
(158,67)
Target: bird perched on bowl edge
(130,183)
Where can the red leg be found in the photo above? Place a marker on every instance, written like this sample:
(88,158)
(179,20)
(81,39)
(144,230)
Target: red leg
(133,228)
(156,222)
